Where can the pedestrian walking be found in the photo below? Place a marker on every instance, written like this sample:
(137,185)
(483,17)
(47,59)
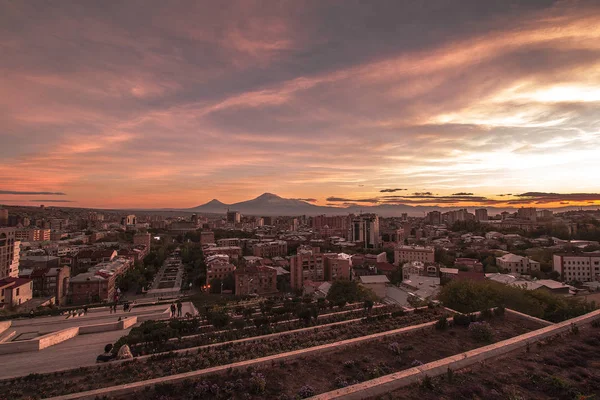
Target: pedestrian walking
(179,307)
(172,310)
(85,308)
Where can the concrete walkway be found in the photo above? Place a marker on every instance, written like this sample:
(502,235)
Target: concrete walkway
(79,351)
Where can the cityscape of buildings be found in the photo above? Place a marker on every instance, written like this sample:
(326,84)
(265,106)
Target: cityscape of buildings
(75,256)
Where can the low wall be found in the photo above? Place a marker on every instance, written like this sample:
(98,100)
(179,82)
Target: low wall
(388,383)
(4,325)
(57,337)
(19,347)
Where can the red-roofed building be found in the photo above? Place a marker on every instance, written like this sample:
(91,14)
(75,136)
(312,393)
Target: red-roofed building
(15,291)
(255,279)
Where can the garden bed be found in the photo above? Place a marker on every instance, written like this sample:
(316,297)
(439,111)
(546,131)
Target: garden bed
(83,379)
(563,367)
(317,374)
(158,337)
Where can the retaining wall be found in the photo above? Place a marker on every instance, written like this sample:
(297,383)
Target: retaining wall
(4,325)
(388,383)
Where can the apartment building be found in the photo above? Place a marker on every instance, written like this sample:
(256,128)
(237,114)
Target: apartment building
(517,264)
(307,264)
(9,253)
(218,270)
(337,267)
(277,248)
(32,235)
(404,254)
(255,279)
(584,267)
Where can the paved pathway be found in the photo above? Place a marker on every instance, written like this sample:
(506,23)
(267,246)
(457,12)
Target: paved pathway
(81,350)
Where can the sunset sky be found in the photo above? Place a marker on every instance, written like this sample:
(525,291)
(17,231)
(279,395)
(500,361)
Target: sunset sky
(170,104)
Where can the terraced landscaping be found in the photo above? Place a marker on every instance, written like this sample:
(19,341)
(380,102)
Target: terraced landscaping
(161,339)
(315,374)
(83,379)
(563,367)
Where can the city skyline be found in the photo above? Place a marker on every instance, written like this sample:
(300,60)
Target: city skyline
(152,105)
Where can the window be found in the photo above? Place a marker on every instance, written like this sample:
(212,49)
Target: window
(18,290)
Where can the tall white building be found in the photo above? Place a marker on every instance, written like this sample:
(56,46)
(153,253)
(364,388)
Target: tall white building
(365,229)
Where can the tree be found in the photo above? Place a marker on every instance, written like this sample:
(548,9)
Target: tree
(348,292)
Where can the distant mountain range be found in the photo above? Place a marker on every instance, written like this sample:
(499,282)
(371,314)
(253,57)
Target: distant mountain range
(269,204)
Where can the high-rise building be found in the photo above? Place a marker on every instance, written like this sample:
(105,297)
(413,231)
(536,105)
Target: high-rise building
(434,217)
(365,229)
(307,264)
(528,213)
(481,214)
(3,217)
(9,266)
(234,217)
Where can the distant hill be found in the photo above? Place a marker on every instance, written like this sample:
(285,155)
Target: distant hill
(269,204)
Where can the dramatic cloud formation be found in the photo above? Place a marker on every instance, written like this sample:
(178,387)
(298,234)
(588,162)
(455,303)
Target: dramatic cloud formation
(462,194)
(170,104)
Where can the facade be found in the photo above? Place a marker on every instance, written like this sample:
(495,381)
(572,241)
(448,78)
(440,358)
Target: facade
(228,242)
(335,222)
(481,214)
(33,235)
(277,248)
(15,291)
(404,254)
(307,264)
(182,227)
(515,263)
(9,253)
(528,213)
(128,220)
(337,267)
(256,279)
(142,239)
(51,282)
(583,267)
(207,237)
(218,270)
(365,229)
(98,284)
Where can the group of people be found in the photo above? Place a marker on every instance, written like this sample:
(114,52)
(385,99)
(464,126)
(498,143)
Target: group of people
(176,307)
(126,307)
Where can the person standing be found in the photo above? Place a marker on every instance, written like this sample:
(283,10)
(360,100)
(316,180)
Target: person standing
(172,310)
(179,307)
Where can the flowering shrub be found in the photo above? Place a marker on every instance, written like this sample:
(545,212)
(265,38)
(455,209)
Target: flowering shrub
(481,331)
(306,391)
(395,348)
(340,382)
(258,383)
